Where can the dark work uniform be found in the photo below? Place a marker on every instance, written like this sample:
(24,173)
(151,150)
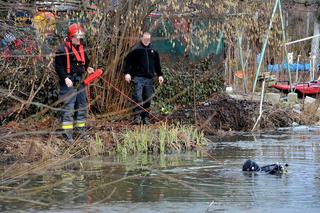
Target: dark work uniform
(142,63)
(74,98)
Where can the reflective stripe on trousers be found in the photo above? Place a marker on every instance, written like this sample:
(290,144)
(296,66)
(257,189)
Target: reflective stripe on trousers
(67,125)
(80,124)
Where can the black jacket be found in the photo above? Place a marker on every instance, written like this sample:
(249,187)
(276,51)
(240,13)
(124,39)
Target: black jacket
(142,61)
(76,68)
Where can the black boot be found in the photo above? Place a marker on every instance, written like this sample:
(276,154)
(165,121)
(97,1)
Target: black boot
(82,133)
(146,120)
(136,120)
(79,131)
(68,135)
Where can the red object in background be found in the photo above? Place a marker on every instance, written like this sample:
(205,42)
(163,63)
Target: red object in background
(282,87)
(311,88)
(18,43)
(93,77)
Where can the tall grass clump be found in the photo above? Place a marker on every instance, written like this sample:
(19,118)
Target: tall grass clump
(162,139)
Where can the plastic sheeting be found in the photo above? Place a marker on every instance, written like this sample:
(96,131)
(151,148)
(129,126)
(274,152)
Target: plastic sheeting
(292,67)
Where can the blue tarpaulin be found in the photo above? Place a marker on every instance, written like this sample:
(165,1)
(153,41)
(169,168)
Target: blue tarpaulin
(292,67)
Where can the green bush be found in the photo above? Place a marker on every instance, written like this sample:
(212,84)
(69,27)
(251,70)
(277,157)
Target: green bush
(179,82)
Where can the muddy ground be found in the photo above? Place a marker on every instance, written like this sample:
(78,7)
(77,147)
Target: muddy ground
(220,115)
(223,114)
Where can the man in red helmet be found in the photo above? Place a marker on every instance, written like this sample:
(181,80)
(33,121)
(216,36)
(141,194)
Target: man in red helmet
(71,64)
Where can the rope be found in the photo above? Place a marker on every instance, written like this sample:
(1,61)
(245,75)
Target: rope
(152,115)
(130,99)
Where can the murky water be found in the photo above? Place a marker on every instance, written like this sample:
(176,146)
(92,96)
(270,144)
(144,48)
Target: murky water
(182,183)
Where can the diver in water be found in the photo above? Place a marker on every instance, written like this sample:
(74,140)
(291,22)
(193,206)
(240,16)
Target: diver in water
(273,169)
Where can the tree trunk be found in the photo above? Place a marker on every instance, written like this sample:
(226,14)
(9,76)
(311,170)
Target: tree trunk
(308,24)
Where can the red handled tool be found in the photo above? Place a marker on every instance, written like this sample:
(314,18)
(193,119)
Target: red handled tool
(92,77)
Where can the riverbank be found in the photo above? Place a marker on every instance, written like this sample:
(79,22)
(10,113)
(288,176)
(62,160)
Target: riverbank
(220,115)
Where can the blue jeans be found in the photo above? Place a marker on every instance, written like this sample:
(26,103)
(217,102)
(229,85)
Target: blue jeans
(142,94)
(75,105)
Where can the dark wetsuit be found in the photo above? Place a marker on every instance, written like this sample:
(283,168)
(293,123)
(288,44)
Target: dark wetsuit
(272,169)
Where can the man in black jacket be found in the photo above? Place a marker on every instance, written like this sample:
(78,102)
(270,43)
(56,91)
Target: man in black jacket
(71,64)
(141,64)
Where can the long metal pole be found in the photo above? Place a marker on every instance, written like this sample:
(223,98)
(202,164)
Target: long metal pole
(261,103)
(265,46)
(303,39)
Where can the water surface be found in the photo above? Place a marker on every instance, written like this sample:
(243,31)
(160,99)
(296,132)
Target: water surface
(189,182)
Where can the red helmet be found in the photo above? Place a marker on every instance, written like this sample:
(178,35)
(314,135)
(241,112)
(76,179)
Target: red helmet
(75,30)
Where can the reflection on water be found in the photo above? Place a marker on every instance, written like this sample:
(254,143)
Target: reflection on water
(190,182)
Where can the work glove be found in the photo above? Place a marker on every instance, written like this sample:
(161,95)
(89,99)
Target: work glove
(160,80)
(127,77)
(68,82)
(90,70)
